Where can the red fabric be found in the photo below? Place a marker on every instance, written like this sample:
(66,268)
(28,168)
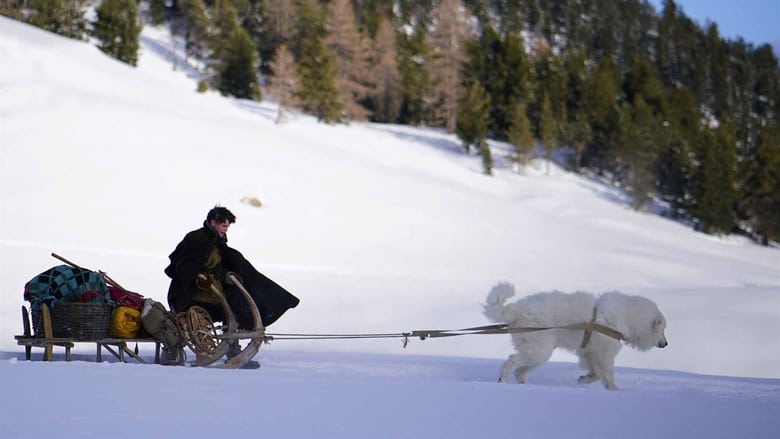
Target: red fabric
(88,296)
(126,298)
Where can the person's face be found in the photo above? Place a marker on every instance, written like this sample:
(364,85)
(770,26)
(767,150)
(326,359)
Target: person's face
(221,228)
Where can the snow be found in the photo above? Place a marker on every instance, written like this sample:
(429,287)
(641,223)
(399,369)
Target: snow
(378,229)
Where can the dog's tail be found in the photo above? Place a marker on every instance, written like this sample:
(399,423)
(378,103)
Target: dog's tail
(494,305)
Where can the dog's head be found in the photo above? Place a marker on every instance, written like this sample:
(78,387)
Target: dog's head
(637,318)
(659,326)
(649,330)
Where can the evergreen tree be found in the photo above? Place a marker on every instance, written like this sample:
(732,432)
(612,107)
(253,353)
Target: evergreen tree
(63,17)
(679,134)
(196,29)
(502,68)
(641,79)
(600,99)
(224,20)
(237,67)
(250,18)
(760,191)
(157,12)
(47,14)
(117,29)
(637,154)
(317,93)
(413,56)
(552,84)
(716,84)
(472,117)
(547,130)
(766,86)
(513,81)
(713,187)
(486,155)
(578,135)
(575,73)
(520,136)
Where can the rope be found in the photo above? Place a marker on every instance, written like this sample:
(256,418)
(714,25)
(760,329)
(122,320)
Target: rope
(588,327)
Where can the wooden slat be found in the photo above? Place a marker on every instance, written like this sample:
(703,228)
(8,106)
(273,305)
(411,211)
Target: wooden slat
(48,354)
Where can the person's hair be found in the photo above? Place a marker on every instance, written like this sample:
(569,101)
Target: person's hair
(220,215)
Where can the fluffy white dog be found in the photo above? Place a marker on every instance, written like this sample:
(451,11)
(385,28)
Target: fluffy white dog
(636,318)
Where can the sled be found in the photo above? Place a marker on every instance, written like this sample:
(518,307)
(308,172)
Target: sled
(118,347)
(208,341)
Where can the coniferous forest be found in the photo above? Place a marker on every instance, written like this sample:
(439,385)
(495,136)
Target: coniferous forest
(648,100)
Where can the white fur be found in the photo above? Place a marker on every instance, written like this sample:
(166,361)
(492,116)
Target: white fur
(637,318)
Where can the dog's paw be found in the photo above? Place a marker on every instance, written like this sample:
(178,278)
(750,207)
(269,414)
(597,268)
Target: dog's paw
(587,379)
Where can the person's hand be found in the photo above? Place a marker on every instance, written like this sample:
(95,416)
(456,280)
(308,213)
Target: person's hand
(203,282)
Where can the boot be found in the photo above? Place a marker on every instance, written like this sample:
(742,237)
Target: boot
(235,349)
(172,357)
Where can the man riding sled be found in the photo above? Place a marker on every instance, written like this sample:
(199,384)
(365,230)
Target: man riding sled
(203,260)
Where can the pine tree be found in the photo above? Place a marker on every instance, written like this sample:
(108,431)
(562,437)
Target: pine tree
(600,100)
(680,132)
(637,154)
(472,117)
(761,187)
(713,187)
(502,68)
(47,14)
(117,29)
(196,29)
(578,135)
(547,131)
(317,94)
(447,40)
(386,79)
(520,136)
(157,12)
(284,82)
(413,56)
(352,64)
(237,67)
(551,80)
(63,17)
(224,20)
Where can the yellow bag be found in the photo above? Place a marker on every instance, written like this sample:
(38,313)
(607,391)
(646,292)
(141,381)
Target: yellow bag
(126,322)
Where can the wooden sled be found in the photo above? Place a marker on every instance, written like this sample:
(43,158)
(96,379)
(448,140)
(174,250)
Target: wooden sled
(118,347)
(208,341)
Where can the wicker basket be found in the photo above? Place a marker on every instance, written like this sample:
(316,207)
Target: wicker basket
(81,321)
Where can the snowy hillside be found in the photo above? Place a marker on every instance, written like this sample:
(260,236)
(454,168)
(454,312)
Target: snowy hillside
(376,228)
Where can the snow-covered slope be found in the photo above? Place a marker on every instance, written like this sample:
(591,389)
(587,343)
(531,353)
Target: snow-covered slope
(377,228)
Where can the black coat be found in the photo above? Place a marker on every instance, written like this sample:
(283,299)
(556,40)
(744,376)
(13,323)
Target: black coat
(189,258)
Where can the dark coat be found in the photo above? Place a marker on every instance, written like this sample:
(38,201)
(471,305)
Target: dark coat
(189,258)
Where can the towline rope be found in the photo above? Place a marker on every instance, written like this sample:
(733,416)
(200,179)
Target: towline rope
(588,327)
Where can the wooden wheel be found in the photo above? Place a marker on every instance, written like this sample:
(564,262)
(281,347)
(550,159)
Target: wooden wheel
(202,333)
(207,347)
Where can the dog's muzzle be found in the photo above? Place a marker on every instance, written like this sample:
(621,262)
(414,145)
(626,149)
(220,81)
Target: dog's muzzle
(662,344)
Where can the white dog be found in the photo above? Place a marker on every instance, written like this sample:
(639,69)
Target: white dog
(636,318)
